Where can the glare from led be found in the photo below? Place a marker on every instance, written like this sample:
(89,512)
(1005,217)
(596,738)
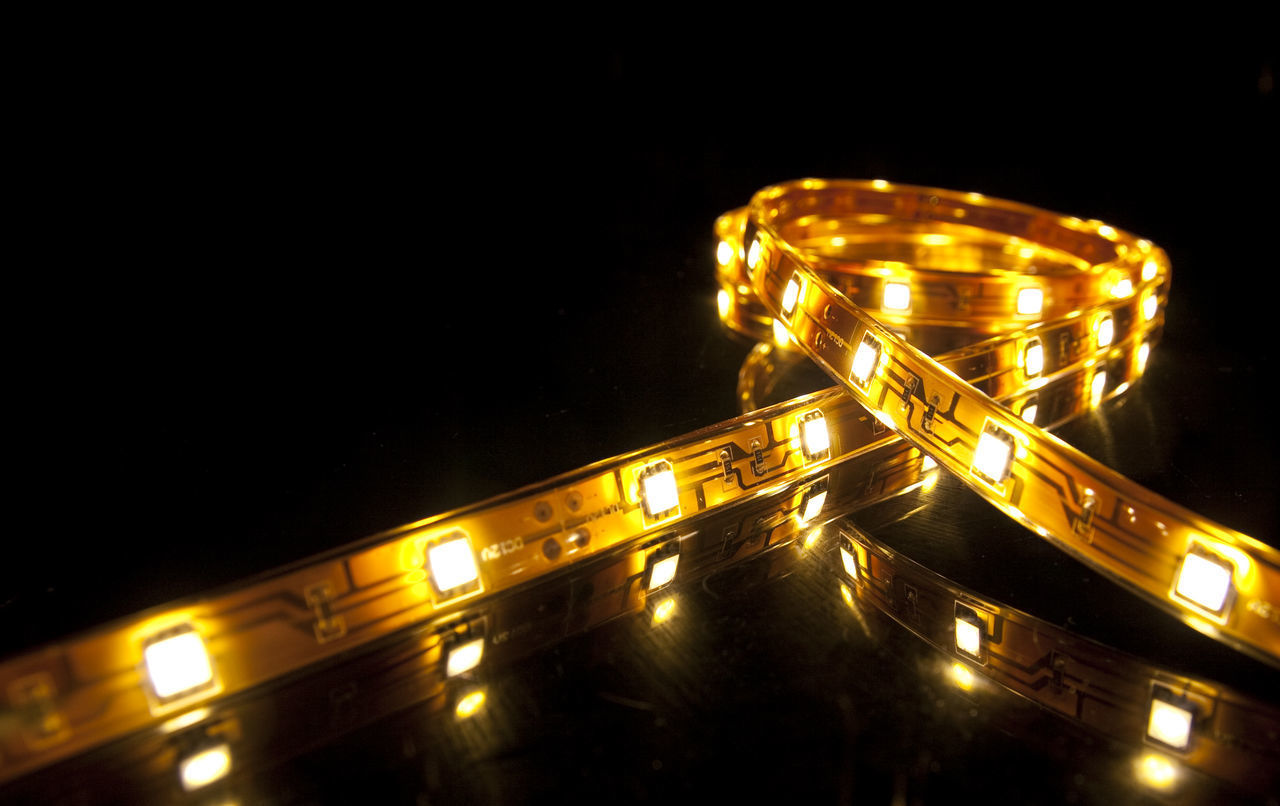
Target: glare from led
(927,463)
(1122,288)
(813,506)
(962,676)
(453,564)
(930,481)
(1029,413)
(1096,387)
(753,255)
(723,301)
(897,297)
(177,664)
(664,611)
(790,296)
(664,571)
(464,657)
(203,768)
(1149,270)
(1149,306)
(879,184)
(812,538)
(864,362)
(968,638)
(724,253)
(780,335)
(1106,331)
(1106,231)
(1030,301)
(850,564)
(1169,724)
(1204,582)
(814,435)
(1144,352)
(1157,771)
(469,705)
(992,457)
(1033,359)
(934,239)
(659,491)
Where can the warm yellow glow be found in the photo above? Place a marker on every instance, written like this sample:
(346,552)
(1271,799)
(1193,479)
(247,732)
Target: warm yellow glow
(753,255)
(469,705)
(1033,358)
(185,720)
(453,565)
(724,253)
(665,610)
(723,302)
(811,539)
(790,296)
(962,676)
(1096,387)
(664,571)
(968,638)
(780,335)
(1030,301)
(178,664)
(1122,288)
(846,594)
(930,481)
(897,297)
(464,657)
(879,184)
(1169,724)
(1105,330)
(205,767)
(1149,270)
(933,239)
(1106,231)
(1156,771)
(1204,582)
(1149,306)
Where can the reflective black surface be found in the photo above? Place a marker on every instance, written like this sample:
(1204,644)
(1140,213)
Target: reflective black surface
(275,328)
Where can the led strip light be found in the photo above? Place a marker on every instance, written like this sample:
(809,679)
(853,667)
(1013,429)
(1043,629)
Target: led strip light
(163,665)
(1222,583)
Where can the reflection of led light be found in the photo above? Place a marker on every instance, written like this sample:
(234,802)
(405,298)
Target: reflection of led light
(1030,301)
(790,296)
(1096,387)
(1148,270)
(962,676)
(850,564)
(1106,331)
(665,609)
(994,454)
(1169,724)
(1033,358)
(178,664)
(1122,288)
(723,301)
(658,490)
(814,439)
(897,297)
(812,538)
(1144,352)
(865,360)
(664,571)
(1156,771)
(1029,413)
(780,335)
(205,767)
(1204,582)
(469,705)
(452,564)
(927,463)
(1149,305)
(813,506)
(968,638)
(753,255)
(724,253)
(930,481)
(846,594)
(464,657)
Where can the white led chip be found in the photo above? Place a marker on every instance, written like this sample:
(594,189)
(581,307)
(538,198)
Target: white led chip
(464,657)
(1096,387)
(453,564)
(897,297)
(1149,306)
(813,506)
(1144,352)
(1030,301)
(663,571)
(1204,581)
(177,663)
(850,565)
(865,360)
(658,493)
(205,767)
(1033,358)
(753,255)
(1029,412)
(1169,724)
(724,253)
(815,442)
(968,638)
(790,296)
(993,457)
(1105,330)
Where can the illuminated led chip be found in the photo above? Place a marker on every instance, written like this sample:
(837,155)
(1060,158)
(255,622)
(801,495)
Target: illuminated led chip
(1096,387)
(724,253)
(753,255)
(1033,358)
(865,360)
(1122,288)
(453,565)
(205,767)
(1029,411)
(663,571)
(464,657)
(897,297)
(790,296)
(1148,270)
(658,493)
(969,631)
(177,664)
(1204,580)
(1105,330)
(1030,301)
(1149,306)
(812,502)
(1170,719)
(724,303)
(780,335)
(815,442)
(850,564)
(1144,352)
(993,457)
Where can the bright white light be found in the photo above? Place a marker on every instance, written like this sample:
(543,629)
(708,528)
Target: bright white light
(659,491)
(1149,306)
(178,664)
(790,296)
(813,506)
(1029,413)
(968,638)
(864,362)
(664,571)
(464,657)
(724,253)
(205,767)
(1122,288)
(452,564)
(780,335)
(1096,387)
(753,254)
(1033,360)
(897,297)
(1169,724)
(1106,331)
(1030,301)
(992,458)
(850,565)
(813,434)
(1148,270)
(927,463)
(1204,582)
(723,301)
(1144,352)
(879,184)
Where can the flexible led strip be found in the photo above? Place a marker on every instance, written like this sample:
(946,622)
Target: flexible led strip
(1180,721)
(1219,581)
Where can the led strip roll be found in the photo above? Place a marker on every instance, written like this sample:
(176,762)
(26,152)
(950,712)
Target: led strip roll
(1219,581)
(1176,720)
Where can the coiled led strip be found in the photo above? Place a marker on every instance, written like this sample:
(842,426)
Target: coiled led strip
(1218,581)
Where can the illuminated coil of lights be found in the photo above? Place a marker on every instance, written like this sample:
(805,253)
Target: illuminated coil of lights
(1219,581)
(1202,725)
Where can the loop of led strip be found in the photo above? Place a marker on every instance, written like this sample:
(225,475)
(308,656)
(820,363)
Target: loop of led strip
(162,666)
(1219,581)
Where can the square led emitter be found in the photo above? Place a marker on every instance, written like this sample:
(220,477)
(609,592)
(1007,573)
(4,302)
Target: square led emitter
(850,564)
(464,657)
(1169,722)
(968,637)
(663,571)
(865,359)
(453,564)
(812,506)
(1106,331)
(1033,358)
(993,457)
(790,296)
(815,442)
(1204,580)
(177,664)
(897,297)
(1030,301)
(658,493)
